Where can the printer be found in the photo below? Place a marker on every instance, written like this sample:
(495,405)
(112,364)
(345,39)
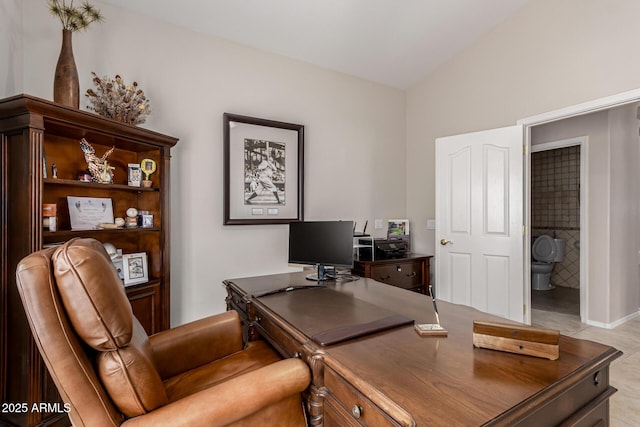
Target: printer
(384,248)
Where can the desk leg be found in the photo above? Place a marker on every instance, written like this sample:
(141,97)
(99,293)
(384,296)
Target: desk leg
(316,392)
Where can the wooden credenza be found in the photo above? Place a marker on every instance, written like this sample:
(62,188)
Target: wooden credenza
(34,135)
(397,378)
(408,272)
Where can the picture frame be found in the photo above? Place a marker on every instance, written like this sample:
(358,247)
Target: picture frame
(147,221)
(87,213)
(263,171)
(134,176)
(397,228)
(134,268)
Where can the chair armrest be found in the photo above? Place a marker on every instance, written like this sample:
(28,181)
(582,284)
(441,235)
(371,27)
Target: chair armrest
(196,343)
(232,400)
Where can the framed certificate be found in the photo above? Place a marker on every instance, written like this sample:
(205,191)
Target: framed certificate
(85,213)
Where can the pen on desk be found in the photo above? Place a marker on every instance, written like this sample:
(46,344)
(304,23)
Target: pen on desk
(435,307)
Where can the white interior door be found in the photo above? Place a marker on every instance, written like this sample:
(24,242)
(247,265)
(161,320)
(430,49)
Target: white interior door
(479,221)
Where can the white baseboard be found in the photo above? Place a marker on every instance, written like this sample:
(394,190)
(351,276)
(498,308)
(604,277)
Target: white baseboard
(616,323)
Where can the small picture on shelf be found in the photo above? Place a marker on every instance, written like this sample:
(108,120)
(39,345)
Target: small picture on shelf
(134,267)
(147,221)
(135,175)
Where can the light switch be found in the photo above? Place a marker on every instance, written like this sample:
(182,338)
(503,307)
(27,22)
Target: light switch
(431,224)
(379,224)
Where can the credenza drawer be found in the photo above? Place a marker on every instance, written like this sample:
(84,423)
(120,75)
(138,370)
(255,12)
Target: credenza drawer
(360,410)
(406,275)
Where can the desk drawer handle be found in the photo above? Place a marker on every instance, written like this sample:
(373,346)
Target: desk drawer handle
(412,274)
(596,378)
(387,277)
(356,411)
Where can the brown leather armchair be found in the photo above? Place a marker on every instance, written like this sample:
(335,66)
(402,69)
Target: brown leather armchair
(110,373)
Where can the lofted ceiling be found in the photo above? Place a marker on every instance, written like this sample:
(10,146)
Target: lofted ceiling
(392,42)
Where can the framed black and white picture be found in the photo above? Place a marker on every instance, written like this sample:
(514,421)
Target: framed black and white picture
(263,171)
(134,268)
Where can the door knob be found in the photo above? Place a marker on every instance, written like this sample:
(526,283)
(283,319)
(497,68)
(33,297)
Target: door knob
(445,241)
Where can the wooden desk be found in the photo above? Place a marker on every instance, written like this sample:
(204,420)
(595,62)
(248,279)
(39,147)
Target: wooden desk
(397,378)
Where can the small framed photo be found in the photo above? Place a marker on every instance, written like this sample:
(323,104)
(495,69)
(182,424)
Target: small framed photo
(147,221)
(134,268)
(397,228)
(135,175)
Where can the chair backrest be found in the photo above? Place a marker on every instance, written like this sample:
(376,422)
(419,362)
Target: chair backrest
(68,360)
(80,317)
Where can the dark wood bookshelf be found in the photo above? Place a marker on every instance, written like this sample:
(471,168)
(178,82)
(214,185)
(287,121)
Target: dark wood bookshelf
(34,134)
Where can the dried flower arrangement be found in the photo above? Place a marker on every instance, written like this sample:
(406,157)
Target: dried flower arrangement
(116,100)
(74,18)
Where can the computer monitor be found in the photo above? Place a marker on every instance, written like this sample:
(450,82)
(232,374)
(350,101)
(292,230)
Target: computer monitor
(321,243)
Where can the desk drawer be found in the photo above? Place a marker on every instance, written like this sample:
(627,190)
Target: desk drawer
(286,345)
(236,302)
(589,394)
(406,275)
(360,410)
(590,416)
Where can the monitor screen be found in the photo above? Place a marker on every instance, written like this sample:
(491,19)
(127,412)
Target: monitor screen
(322,243)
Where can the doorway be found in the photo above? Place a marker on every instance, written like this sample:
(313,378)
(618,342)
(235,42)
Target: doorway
(558,177)
(608,273)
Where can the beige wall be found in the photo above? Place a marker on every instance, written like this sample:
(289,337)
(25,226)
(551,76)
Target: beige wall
(553,54)
(10,47)
(624,275)
(354,130)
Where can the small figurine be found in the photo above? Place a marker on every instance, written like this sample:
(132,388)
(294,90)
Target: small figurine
(54,171)
(98,166)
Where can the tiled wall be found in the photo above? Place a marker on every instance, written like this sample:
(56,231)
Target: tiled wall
(555,188)
(555,206)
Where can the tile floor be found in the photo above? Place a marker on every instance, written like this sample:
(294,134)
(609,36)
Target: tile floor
(624,372)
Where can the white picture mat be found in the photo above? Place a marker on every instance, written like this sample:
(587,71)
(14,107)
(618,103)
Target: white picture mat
(238,132)
(86,213)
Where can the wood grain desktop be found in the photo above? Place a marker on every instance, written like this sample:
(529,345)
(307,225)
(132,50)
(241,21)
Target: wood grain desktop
(398,378)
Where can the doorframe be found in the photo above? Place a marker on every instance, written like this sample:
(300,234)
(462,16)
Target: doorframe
(583,143)
(588,107)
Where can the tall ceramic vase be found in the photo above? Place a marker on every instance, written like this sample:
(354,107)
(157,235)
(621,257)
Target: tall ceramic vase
(66,87)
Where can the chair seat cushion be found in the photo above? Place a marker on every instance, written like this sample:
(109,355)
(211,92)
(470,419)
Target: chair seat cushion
(256,355)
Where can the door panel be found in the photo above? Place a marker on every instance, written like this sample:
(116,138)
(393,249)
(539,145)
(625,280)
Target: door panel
(496,188)
(479,221)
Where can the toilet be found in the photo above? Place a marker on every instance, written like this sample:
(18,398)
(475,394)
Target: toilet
(545,251)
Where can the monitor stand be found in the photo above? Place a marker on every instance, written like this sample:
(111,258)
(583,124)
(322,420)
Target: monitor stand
(321,275)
